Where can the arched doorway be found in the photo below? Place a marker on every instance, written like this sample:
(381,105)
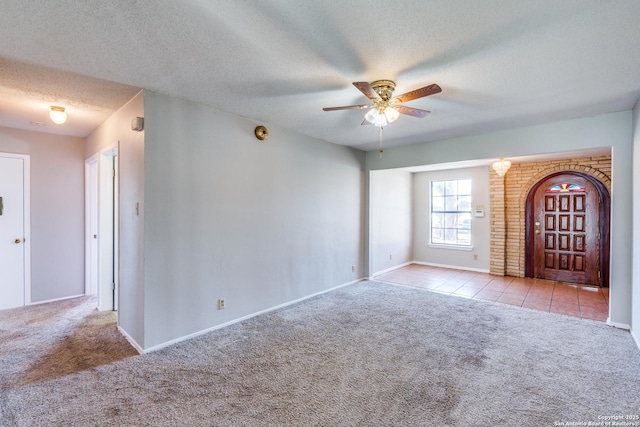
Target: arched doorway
(567,229)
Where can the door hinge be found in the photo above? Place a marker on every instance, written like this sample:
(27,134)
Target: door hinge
(113,286)
(599,275)
(113,173)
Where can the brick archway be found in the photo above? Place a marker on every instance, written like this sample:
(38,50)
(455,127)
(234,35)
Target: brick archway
(567,167)
(507,206)
(602,265)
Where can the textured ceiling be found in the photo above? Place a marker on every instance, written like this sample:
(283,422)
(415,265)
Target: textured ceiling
(27,92)
(500,63)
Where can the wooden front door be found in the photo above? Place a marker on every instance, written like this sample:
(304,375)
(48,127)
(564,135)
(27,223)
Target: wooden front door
(566,230)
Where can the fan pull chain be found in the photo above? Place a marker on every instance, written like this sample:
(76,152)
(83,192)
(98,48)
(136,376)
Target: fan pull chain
(381,150)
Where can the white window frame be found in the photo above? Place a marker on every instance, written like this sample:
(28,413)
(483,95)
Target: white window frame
(445,211)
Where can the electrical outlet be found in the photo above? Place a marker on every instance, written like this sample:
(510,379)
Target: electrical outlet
(221,304)
(475,257)
(353,268)
(390,257)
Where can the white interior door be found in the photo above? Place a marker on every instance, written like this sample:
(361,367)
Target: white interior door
(91,224)
(14,253)
(107,229)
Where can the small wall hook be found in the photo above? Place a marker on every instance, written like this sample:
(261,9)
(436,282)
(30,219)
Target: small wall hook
(262,133)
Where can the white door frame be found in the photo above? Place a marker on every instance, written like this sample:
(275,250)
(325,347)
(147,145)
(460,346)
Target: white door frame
(26,175)
(91,256)
(108,229)
(116,229)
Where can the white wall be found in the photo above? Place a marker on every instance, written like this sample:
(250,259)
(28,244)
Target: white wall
(635,297)
(57,210)
(116,130)
(480,227)
(609,130)
(226,215)
(391,227)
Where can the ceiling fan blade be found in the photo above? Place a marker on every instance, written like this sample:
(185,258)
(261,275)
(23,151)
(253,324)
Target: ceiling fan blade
(347,107)
(418,93)
(365,122)
(366,88)
(415,112)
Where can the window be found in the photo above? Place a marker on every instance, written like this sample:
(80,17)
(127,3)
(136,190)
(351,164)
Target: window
(566,188)
(451,212)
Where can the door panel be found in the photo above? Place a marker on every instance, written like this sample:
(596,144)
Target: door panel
(12,233)
(566,230)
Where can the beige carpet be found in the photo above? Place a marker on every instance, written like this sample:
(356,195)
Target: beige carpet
(370,354)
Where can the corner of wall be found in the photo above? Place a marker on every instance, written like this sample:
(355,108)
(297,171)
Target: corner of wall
(635,257)
(635,337)
(498,209)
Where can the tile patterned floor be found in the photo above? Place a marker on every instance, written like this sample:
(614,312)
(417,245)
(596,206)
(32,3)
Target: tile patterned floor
(571,300)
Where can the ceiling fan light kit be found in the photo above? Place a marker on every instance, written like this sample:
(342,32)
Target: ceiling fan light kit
(385,108)
(382,118)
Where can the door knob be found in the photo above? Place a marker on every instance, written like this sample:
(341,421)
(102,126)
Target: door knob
(18,241)
(537,231)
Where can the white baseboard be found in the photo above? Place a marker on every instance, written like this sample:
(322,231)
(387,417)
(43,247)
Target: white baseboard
(455,267)
(618,325)
(386,270)
(56,299)
(131,340)
(224,325)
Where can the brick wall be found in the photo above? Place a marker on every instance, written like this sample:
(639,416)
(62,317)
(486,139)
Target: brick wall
(497,199)
(508,198)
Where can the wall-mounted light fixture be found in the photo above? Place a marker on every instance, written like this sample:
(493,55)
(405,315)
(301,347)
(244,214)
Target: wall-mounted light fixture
(57,114)
(501,166)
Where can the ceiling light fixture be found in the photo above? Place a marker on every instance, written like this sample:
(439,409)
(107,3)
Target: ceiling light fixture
(381,115)
(386,108)
(501,166)
(57,115)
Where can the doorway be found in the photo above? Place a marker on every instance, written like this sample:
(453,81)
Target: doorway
(101,230)
(567,229)
(15,239)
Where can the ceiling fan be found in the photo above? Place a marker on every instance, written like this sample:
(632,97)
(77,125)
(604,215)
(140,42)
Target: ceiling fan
(385,108)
